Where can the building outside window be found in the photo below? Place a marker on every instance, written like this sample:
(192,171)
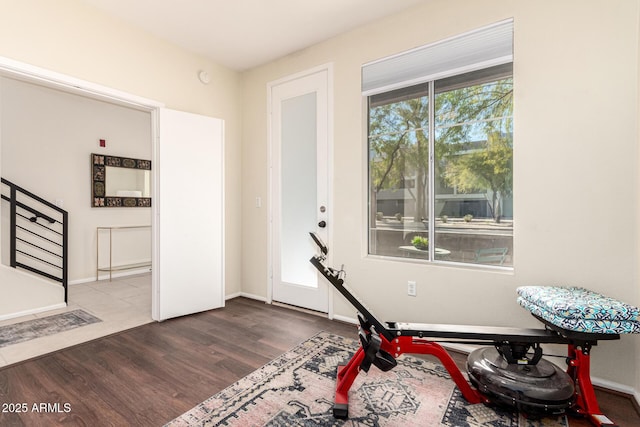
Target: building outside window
(441,165)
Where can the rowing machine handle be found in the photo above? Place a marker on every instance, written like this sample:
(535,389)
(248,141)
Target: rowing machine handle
(323,248)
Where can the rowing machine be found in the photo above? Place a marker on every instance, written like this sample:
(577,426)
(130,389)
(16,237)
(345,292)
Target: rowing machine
(509,373)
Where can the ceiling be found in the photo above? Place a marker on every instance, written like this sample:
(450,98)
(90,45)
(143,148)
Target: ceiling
(242,34)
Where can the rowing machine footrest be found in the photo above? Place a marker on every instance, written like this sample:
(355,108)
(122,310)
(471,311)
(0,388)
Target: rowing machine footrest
(370,344)
(384,361)
(381,359)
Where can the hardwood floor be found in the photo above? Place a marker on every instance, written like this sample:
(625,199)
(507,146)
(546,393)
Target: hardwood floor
(151,374)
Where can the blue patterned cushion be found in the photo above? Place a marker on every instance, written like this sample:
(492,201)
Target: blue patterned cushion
(580,310)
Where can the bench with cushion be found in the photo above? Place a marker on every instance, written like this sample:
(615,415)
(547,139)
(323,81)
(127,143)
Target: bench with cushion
(580,310)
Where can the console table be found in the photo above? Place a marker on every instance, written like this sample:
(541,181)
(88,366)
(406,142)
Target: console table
(111,267)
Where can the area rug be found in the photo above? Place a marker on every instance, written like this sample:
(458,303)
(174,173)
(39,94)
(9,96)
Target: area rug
(297,389)
(36,328)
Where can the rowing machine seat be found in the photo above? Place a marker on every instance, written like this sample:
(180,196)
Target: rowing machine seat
(580,310)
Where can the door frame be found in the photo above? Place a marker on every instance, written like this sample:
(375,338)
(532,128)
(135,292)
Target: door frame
(328,67)
(33,74)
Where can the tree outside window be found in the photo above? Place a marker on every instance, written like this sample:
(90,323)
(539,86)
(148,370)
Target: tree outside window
(441,163)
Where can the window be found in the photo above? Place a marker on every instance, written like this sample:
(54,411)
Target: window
(441,166)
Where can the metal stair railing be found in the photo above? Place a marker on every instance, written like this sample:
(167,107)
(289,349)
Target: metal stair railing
(38,234)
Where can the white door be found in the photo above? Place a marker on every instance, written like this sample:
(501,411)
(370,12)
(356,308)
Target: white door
(300,132)
(189,215)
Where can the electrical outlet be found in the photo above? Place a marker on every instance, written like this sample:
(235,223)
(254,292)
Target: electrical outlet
(411,288)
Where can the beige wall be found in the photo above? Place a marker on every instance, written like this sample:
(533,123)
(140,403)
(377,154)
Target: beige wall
(70,37)
(576,165)
(43,295)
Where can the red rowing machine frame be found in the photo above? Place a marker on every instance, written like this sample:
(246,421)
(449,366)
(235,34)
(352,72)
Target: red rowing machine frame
(347,374)
(395,339)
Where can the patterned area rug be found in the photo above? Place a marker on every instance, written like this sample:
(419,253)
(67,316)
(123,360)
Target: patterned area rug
(30,329)
(297,389)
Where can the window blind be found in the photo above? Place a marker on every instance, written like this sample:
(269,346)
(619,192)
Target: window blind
(481,48)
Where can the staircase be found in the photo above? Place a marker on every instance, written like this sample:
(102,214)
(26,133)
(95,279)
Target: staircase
(38,234)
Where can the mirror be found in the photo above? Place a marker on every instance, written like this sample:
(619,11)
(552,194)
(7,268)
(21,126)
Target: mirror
(120,181)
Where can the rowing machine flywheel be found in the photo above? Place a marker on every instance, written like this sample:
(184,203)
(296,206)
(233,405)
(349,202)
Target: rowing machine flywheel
(540,389)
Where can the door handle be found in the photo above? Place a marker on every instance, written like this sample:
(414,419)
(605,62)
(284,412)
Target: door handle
(322,224)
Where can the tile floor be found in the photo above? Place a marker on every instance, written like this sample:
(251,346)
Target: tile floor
(121,304)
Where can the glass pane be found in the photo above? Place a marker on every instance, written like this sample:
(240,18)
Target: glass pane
(127,182)
(399,173)
(298,189)
(474,172)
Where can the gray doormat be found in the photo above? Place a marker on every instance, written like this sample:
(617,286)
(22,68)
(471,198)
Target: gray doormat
(36,328)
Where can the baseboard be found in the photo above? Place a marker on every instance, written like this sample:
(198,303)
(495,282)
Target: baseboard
(105,276)
(32,311)
(617,387)
(245,295)
(232,296)
(248,295)
(345,319)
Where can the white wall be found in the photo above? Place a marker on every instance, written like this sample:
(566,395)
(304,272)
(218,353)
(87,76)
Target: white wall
(71,37)
(44,295)
(575,156)
(46,139)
